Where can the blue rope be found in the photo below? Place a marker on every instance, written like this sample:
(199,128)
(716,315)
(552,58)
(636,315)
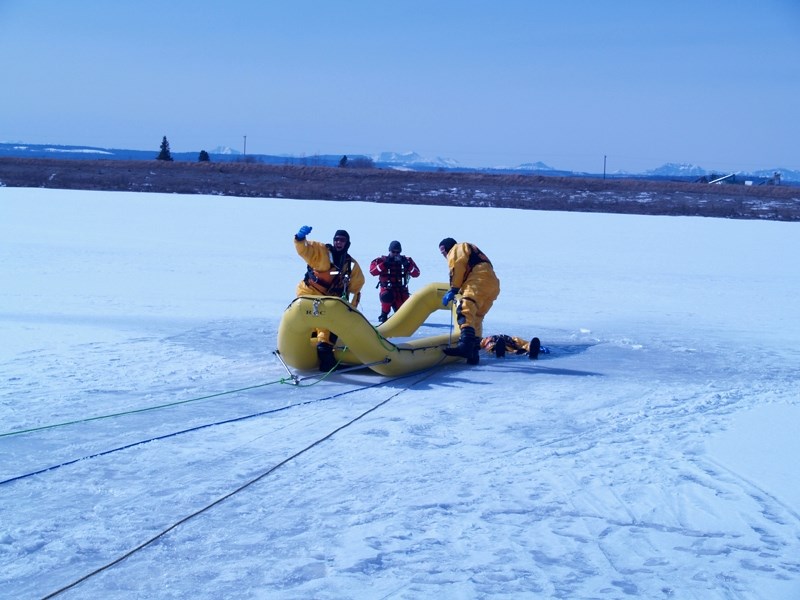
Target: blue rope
(207,425)
(234,492)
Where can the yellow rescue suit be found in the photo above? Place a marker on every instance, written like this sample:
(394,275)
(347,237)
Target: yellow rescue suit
(325,278)
(473,276)
(514,344)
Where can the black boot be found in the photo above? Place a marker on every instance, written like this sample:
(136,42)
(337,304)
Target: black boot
(467,347)
(533,349)
(474,357)
(382,318)
(326,359)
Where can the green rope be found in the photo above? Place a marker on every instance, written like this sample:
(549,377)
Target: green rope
(140,410)
(381,339)
(283,380)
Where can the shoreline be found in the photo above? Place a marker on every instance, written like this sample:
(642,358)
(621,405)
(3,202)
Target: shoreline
(528,192)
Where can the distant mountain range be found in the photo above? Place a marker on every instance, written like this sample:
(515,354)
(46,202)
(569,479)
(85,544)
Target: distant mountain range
(390,160)
(687,170)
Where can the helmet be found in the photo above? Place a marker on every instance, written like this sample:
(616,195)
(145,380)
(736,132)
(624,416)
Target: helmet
(395,246)
(341,233)
(447,244)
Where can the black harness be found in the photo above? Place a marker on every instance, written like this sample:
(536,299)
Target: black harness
(340,276)
(396,274)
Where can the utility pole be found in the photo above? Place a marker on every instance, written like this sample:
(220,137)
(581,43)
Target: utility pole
(604,166)
(245,146)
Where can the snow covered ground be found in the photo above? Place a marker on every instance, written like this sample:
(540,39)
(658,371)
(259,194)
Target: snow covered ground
(152,446)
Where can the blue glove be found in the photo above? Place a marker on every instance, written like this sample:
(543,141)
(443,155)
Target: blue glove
(448,297)
(303,232)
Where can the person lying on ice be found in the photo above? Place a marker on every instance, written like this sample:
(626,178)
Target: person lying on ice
(471,275)
(501,344)
(330,271)
(393,272)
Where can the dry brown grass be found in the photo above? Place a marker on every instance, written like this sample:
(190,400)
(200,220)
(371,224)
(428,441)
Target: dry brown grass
(534,192)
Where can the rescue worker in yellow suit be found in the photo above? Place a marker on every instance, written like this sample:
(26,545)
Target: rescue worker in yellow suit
(472,276)
(330,271)
(501,344)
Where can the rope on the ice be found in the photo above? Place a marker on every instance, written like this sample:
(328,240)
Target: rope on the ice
(282,380)
(140,410)
(292,379)
(237,490)
(199,427)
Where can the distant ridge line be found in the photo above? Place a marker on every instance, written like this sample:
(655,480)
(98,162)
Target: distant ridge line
(388,160)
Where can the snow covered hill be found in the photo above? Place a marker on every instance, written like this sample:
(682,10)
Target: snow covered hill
(414,160)
(153,446)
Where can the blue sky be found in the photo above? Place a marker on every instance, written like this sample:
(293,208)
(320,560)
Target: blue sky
(714,83)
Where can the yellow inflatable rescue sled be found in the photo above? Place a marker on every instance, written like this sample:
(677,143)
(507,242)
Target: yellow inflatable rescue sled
(361,343)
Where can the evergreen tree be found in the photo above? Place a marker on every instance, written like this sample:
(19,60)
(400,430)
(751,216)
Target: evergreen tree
(343,161)
(164,154)
(204,157)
